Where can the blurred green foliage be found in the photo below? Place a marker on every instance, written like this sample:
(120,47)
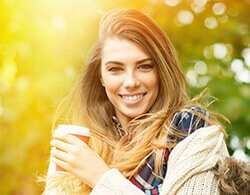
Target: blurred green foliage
(44,43)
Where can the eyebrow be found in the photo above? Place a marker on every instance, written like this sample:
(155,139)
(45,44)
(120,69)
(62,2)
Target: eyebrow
(137,62)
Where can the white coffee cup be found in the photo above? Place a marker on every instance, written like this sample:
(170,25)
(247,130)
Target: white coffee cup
(79,131)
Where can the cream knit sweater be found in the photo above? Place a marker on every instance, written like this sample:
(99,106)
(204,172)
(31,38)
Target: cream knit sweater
(189,168)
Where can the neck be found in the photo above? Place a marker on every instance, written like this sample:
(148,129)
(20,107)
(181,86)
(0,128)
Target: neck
(121,125)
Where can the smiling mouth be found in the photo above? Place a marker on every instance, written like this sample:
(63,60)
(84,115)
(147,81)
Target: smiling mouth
(132,98)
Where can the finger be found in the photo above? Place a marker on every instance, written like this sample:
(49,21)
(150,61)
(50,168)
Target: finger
(58,154)
(68,138)
(61,145)
(60,163)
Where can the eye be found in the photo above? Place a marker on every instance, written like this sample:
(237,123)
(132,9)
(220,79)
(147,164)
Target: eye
(115,69)
(146,67)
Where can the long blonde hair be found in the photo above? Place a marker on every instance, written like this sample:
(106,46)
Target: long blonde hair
(88,105)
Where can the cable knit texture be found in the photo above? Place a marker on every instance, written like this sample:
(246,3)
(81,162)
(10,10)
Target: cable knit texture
(189,168)
(114,183)
(198,165)
(191,163)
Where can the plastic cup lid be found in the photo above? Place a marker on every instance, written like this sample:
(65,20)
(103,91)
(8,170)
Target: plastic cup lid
(73,129)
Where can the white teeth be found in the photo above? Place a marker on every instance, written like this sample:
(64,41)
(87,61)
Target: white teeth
(132,98)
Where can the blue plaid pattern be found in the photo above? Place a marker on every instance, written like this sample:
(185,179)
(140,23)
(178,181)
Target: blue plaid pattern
(185,122)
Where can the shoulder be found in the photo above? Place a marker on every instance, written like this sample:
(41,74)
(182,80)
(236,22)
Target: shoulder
(189,119)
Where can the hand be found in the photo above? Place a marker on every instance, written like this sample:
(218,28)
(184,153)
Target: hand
(76,157)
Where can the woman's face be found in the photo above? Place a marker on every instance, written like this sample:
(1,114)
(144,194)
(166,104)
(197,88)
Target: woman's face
(130,79)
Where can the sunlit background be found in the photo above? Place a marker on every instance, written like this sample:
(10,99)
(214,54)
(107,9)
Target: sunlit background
(43,44)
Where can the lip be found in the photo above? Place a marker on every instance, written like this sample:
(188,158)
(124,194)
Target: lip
(131,94)
(132,99)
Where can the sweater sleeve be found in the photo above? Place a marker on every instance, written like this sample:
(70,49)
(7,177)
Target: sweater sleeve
(191,163)
(114,183)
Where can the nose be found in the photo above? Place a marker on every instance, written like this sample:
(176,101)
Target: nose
(131,81)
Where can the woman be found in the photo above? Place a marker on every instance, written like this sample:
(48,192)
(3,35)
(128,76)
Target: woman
(132,96)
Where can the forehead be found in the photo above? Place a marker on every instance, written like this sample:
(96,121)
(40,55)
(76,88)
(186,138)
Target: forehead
(122,50)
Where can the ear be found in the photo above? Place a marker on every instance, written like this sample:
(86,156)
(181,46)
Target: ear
(102,81)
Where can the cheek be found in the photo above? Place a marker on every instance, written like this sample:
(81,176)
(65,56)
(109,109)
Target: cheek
(111,84)
(155,83)
(152,81)
(111,89)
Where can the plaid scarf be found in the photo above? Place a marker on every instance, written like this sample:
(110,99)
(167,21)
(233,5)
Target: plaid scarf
(186,123)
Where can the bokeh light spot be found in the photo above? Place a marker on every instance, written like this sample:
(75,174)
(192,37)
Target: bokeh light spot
(192,77)
(58,22)
(22,83)
(185,17)
(197,9)
(246,55)
(235,142)
(220,50)
(243,76)
(219,8)
(207,52)
(240,155)
(248,144)
(236,65)
(200,3)
(211,22)
(223,18)
(172,2)
(200,67)
(202,81)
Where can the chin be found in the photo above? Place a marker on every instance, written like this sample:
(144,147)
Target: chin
(134,115)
